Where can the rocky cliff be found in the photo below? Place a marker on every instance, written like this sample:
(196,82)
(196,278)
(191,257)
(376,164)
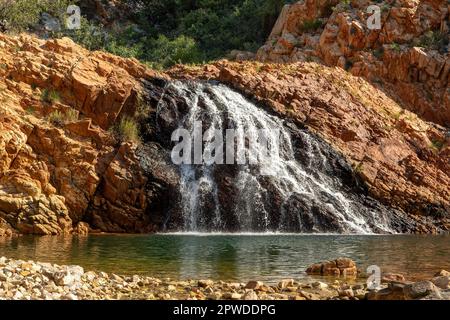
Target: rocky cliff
(71,174)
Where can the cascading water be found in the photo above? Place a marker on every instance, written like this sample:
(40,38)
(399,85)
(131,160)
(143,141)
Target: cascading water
(299,190)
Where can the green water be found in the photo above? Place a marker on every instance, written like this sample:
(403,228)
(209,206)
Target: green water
(233,257)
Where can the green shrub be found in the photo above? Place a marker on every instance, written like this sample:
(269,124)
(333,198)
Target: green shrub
(58,118)
(311,25)
(50,96)
(378,53)
(71,115)
(127,130)
(30,110)
(434,40)
(165,52)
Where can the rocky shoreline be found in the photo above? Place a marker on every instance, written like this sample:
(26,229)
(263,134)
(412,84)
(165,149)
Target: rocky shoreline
(29,280)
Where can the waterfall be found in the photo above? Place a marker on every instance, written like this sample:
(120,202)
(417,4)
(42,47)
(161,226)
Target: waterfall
(298,190)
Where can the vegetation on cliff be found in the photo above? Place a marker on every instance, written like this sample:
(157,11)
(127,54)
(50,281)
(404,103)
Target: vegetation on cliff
(161,33)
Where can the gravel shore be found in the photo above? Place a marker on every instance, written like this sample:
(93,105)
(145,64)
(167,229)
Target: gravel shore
(29,280)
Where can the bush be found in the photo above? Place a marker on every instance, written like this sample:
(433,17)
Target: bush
(311,25)
(437,145)
(215,27)
(50,96)
(58,118)
(127,130)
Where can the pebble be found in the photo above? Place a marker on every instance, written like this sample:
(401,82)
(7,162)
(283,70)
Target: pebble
(28,280)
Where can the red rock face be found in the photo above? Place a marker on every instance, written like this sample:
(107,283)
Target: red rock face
(409,54)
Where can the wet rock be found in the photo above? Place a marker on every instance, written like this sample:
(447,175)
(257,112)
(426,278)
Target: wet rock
(319,285)
(254,285)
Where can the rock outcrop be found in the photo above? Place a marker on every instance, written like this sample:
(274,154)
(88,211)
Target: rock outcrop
(54,177)
(408,53)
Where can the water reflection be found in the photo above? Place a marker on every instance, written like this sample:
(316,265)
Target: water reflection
(232,257)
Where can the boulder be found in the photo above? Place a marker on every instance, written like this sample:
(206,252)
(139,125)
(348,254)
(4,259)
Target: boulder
(392,292)
(340,266)
(254,285)
(205,283)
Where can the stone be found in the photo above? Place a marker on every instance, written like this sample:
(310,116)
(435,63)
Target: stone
(308,295)
(171,288)
(346,293)
(283,284)
(70,296)
(205,283)
(390,293)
